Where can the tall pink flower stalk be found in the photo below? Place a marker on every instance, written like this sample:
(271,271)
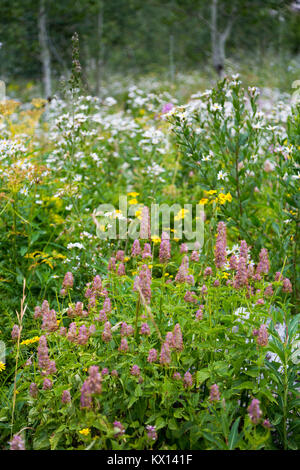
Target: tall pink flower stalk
(220,248)
(145,228)
(165,249)
(142,284)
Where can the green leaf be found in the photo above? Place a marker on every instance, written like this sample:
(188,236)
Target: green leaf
(201,376)
(245,386)
(234,434)
(160,423)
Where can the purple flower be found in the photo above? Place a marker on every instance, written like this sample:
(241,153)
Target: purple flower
(91,386)
(214,393)
(120,255)
(145,329)
(220,248)
(233,262)
(199,313)
(68,281)
(188,380)
(46,366)
(65,397)
(177,376)
(183,248)
(151,433)
(104,371)
(114,373)
(190,297)
(94,380)
(37,312)
(83,335)
(47,384)
(17,443)
(72,332)
(164,251)
(135,370)
(244,250)
(262,336)
(118,429)
(49,320)
(241,278)
(33,390)
(266,424)
(165,354)
(86,396)
(97,285)
(121,269)
(207,271)
(287,286)
(195,256)
(124,345)
(269,290)
(167,107)
(106,335)
(145,232)
(15,332)
(51,368)
(264,264)
(177,342)
(152,355)
(136,248)
(147,251)
(142,284)
(204,289)
(254,411)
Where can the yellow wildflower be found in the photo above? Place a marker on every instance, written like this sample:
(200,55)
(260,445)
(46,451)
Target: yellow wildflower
(132,202)
(222,198)
(133,194)
(35,339)
(85,431)
(181,214)
(2,366)
(203,201)
(210,192)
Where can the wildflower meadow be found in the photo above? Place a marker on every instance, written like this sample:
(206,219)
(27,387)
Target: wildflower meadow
(149,267)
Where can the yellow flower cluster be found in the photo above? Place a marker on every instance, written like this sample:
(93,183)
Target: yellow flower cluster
(35,339)
(181,214)
(134,195)
(222,198)
(218,199)
(85,431)
(2,366)
(40,257)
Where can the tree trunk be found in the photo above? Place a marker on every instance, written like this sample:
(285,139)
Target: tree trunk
(217,63)
(45,53)
(171,58)
(218,39)
(99,53)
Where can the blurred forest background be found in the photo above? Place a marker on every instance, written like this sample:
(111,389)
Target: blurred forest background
(258,38)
